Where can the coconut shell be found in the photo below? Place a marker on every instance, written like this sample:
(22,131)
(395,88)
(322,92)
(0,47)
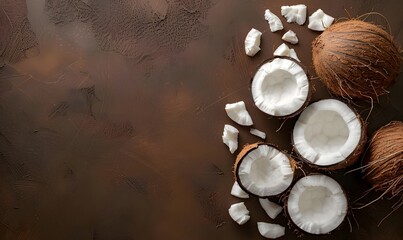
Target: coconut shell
(351,159)
(356,59)
(245,150)
(384,159)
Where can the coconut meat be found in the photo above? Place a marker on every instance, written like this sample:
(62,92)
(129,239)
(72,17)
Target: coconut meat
(272,209)
(238,113)
(290,37)
(252,42)
(237,191)
(319,20)
(294,13)
(280,87)
(284,51)
(327,132)
(317,204)
(239,213)
(230,137)
(271,231)
(265,171)
(258,133)
(274,21)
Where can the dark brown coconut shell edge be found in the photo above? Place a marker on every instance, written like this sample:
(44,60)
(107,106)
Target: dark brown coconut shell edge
(245,151)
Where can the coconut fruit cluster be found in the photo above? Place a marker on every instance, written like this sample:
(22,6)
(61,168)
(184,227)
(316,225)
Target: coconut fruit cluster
(328,134)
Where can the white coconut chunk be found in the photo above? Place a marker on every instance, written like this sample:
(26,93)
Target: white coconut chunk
(319,21)
(237,191)
(327,132)
(294,13)
(238,113)
(230,137)
(317,204)
(272,209)
(239,213)
(258,133)
(290,37)
(280,87)
(285,51)
(265,171)
(274,21)
(252,42)
(271,231)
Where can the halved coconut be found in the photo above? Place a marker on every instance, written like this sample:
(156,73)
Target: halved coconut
(281,87)
(317,204)
(263,170)
(329,134)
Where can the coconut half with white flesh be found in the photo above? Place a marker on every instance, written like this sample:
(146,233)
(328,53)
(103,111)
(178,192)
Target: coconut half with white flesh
(317,204)
(329,134)
(281,87)
(262,170)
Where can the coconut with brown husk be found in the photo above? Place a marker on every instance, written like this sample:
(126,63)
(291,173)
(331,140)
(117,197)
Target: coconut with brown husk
(317,204)
(329,135)
(356,59)
(383,166)
(281,87)
(263,170)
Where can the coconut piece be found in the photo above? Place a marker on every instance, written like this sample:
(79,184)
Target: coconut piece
(271,231)
(252,42)
(262,170)
(230,137)
(285,51)
(258,133)
(239,213)
(317,204)
(238,113)
(237,191)
(280,87)
(356,59)
(290,37)
(319,21)
(274,21)
(384,160)
(329,134)
(294,13)
(272,209)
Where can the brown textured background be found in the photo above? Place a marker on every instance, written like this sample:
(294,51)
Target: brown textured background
(111,115)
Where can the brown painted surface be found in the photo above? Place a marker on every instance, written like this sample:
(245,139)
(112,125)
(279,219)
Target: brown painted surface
(110,128)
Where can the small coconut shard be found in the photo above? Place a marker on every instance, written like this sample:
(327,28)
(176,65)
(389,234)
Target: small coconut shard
(274,21)
(284,51)
(290,37)
(356,59)
(319,20)
(384,160)
(294,13)
(262,170)
(280,87)
(237,191)
(238,113)
(329,134)
(272,209)
(252,42)
(258,133)
(230,137)
(239,213)
(271,231)
(317,204)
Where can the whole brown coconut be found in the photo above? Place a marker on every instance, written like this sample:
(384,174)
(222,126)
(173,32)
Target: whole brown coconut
(384,159)
(356,59)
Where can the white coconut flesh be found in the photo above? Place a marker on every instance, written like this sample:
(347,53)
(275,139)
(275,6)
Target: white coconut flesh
(274,21)
(319,20)
(252,42)
(271,231)
(238,113)
(285,51)
(237,191)
(239,213)
(272,209)
(280,87)
(327,132)
(317,204)
(258,133)
(294,13)
(230,137)
(290,37)
(264,171)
